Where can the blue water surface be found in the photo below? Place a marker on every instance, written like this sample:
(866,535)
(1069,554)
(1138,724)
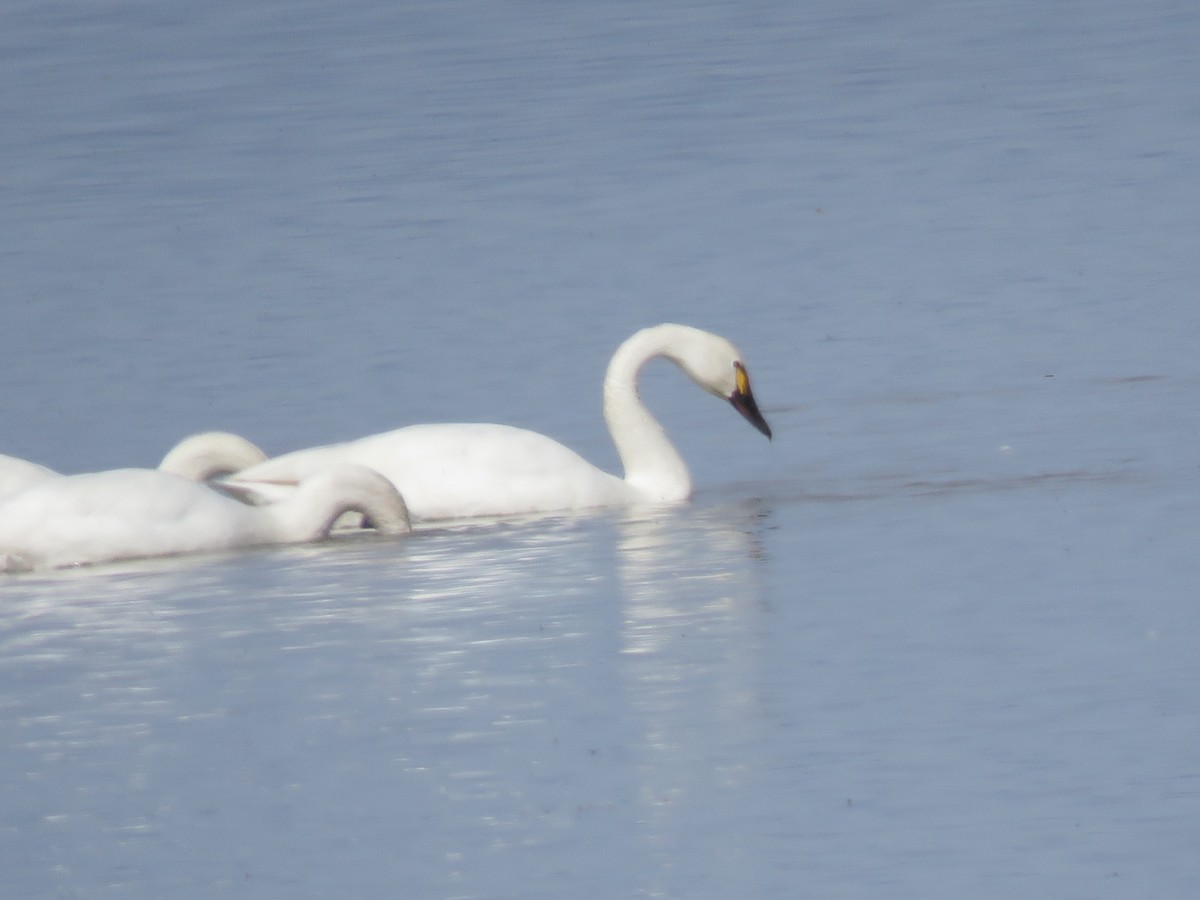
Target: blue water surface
(936,639)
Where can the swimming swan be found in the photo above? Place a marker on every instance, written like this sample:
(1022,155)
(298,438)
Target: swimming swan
(132,513)
(465,470)
(198,457)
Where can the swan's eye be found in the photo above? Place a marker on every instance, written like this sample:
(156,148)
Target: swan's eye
(743,380)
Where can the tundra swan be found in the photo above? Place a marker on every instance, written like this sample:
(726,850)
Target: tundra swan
(133,513)
(464,470)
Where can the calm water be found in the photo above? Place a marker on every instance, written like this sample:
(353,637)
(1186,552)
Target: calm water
(937,639)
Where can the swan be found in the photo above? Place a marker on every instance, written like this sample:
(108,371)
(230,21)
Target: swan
(132,513)
(448,471)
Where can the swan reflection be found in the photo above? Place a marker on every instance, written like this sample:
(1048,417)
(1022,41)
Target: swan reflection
(508,687)
(691,637)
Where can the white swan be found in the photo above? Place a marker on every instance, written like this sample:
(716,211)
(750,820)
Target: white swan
(132,513)
(466,470)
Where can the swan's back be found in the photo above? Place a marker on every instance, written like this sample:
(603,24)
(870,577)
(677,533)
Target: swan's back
(17,474)
(463,470)
(120,514)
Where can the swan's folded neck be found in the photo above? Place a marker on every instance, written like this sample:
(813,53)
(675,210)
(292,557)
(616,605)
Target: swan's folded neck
(652,464)
(311,511)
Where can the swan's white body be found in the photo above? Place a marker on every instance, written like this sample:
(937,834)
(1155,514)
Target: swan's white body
(132,513)
(451,471)
(459,470)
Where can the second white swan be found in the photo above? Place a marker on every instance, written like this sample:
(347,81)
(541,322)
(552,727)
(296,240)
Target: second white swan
(121,514)
(451,471)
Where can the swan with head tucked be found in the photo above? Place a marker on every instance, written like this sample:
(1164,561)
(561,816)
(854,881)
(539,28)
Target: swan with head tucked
(121,514)
(450,471)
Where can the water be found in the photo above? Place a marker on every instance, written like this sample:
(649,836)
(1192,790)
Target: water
(936,639)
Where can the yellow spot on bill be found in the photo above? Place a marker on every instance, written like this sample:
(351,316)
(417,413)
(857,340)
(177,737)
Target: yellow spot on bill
(743,380)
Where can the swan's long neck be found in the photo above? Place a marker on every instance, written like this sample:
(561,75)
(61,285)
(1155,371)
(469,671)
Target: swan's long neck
(211,453)
(652,464)
(322,499)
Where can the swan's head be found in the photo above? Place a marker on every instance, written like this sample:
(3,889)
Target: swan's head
(716,365)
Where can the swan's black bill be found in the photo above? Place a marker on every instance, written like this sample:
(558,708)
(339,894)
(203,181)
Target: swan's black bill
(743,401)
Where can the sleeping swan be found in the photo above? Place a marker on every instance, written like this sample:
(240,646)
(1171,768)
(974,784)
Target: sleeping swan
(132,513)
(457,471)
